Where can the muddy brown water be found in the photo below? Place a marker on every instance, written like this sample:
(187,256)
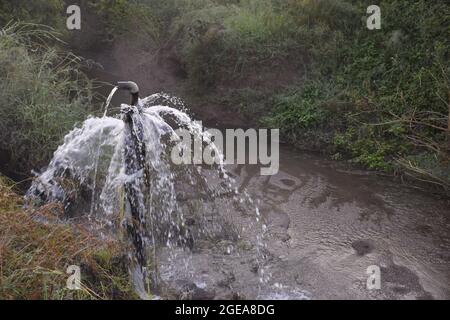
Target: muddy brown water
(326,226)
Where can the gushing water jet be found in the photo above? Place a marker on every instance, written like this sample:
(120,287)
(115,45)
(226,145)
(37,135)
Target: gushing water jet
(116,173)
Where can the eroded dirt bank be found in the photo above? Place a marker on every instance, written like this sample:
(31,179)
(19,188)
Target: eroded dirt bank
(160,70)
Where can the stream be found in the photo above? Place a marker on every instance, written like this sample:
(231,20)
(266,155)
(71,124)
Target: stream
(327,225)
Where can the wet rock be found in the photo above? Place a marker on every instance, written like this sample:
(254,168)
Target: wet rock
(363,247)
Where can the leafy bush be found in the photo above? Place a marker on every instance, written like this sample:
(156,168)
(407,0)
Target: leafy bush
(49,12)
(399,79)
(333,14)
(394,80)
(307,117)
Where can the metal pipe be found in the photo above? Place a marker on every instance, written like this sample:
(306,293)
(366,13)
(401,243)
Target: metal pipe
(132,87)
(135,161)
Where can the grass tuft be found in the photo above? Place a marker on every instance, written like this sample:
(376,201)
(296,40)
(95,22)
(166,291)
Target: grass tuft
(36,249)
(43,94)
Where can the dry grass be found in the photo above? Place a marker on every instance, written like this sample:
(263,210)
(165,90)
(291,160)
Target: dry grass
(34,256)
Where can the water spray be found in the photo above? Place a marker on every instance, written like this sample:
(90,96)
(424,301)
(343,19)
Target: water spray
(135,164)
(115,167)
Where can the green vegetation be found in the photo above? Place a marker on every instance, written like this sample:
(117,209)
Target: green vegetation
(43,94)
(114,18)
(37,12)
(102,20)
(34,256)
(303,118)
(378,98)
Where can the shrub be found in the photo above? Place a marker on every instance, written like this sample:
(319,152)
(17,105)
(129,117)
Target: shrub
(307,117)
(399,80)
(394,80)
